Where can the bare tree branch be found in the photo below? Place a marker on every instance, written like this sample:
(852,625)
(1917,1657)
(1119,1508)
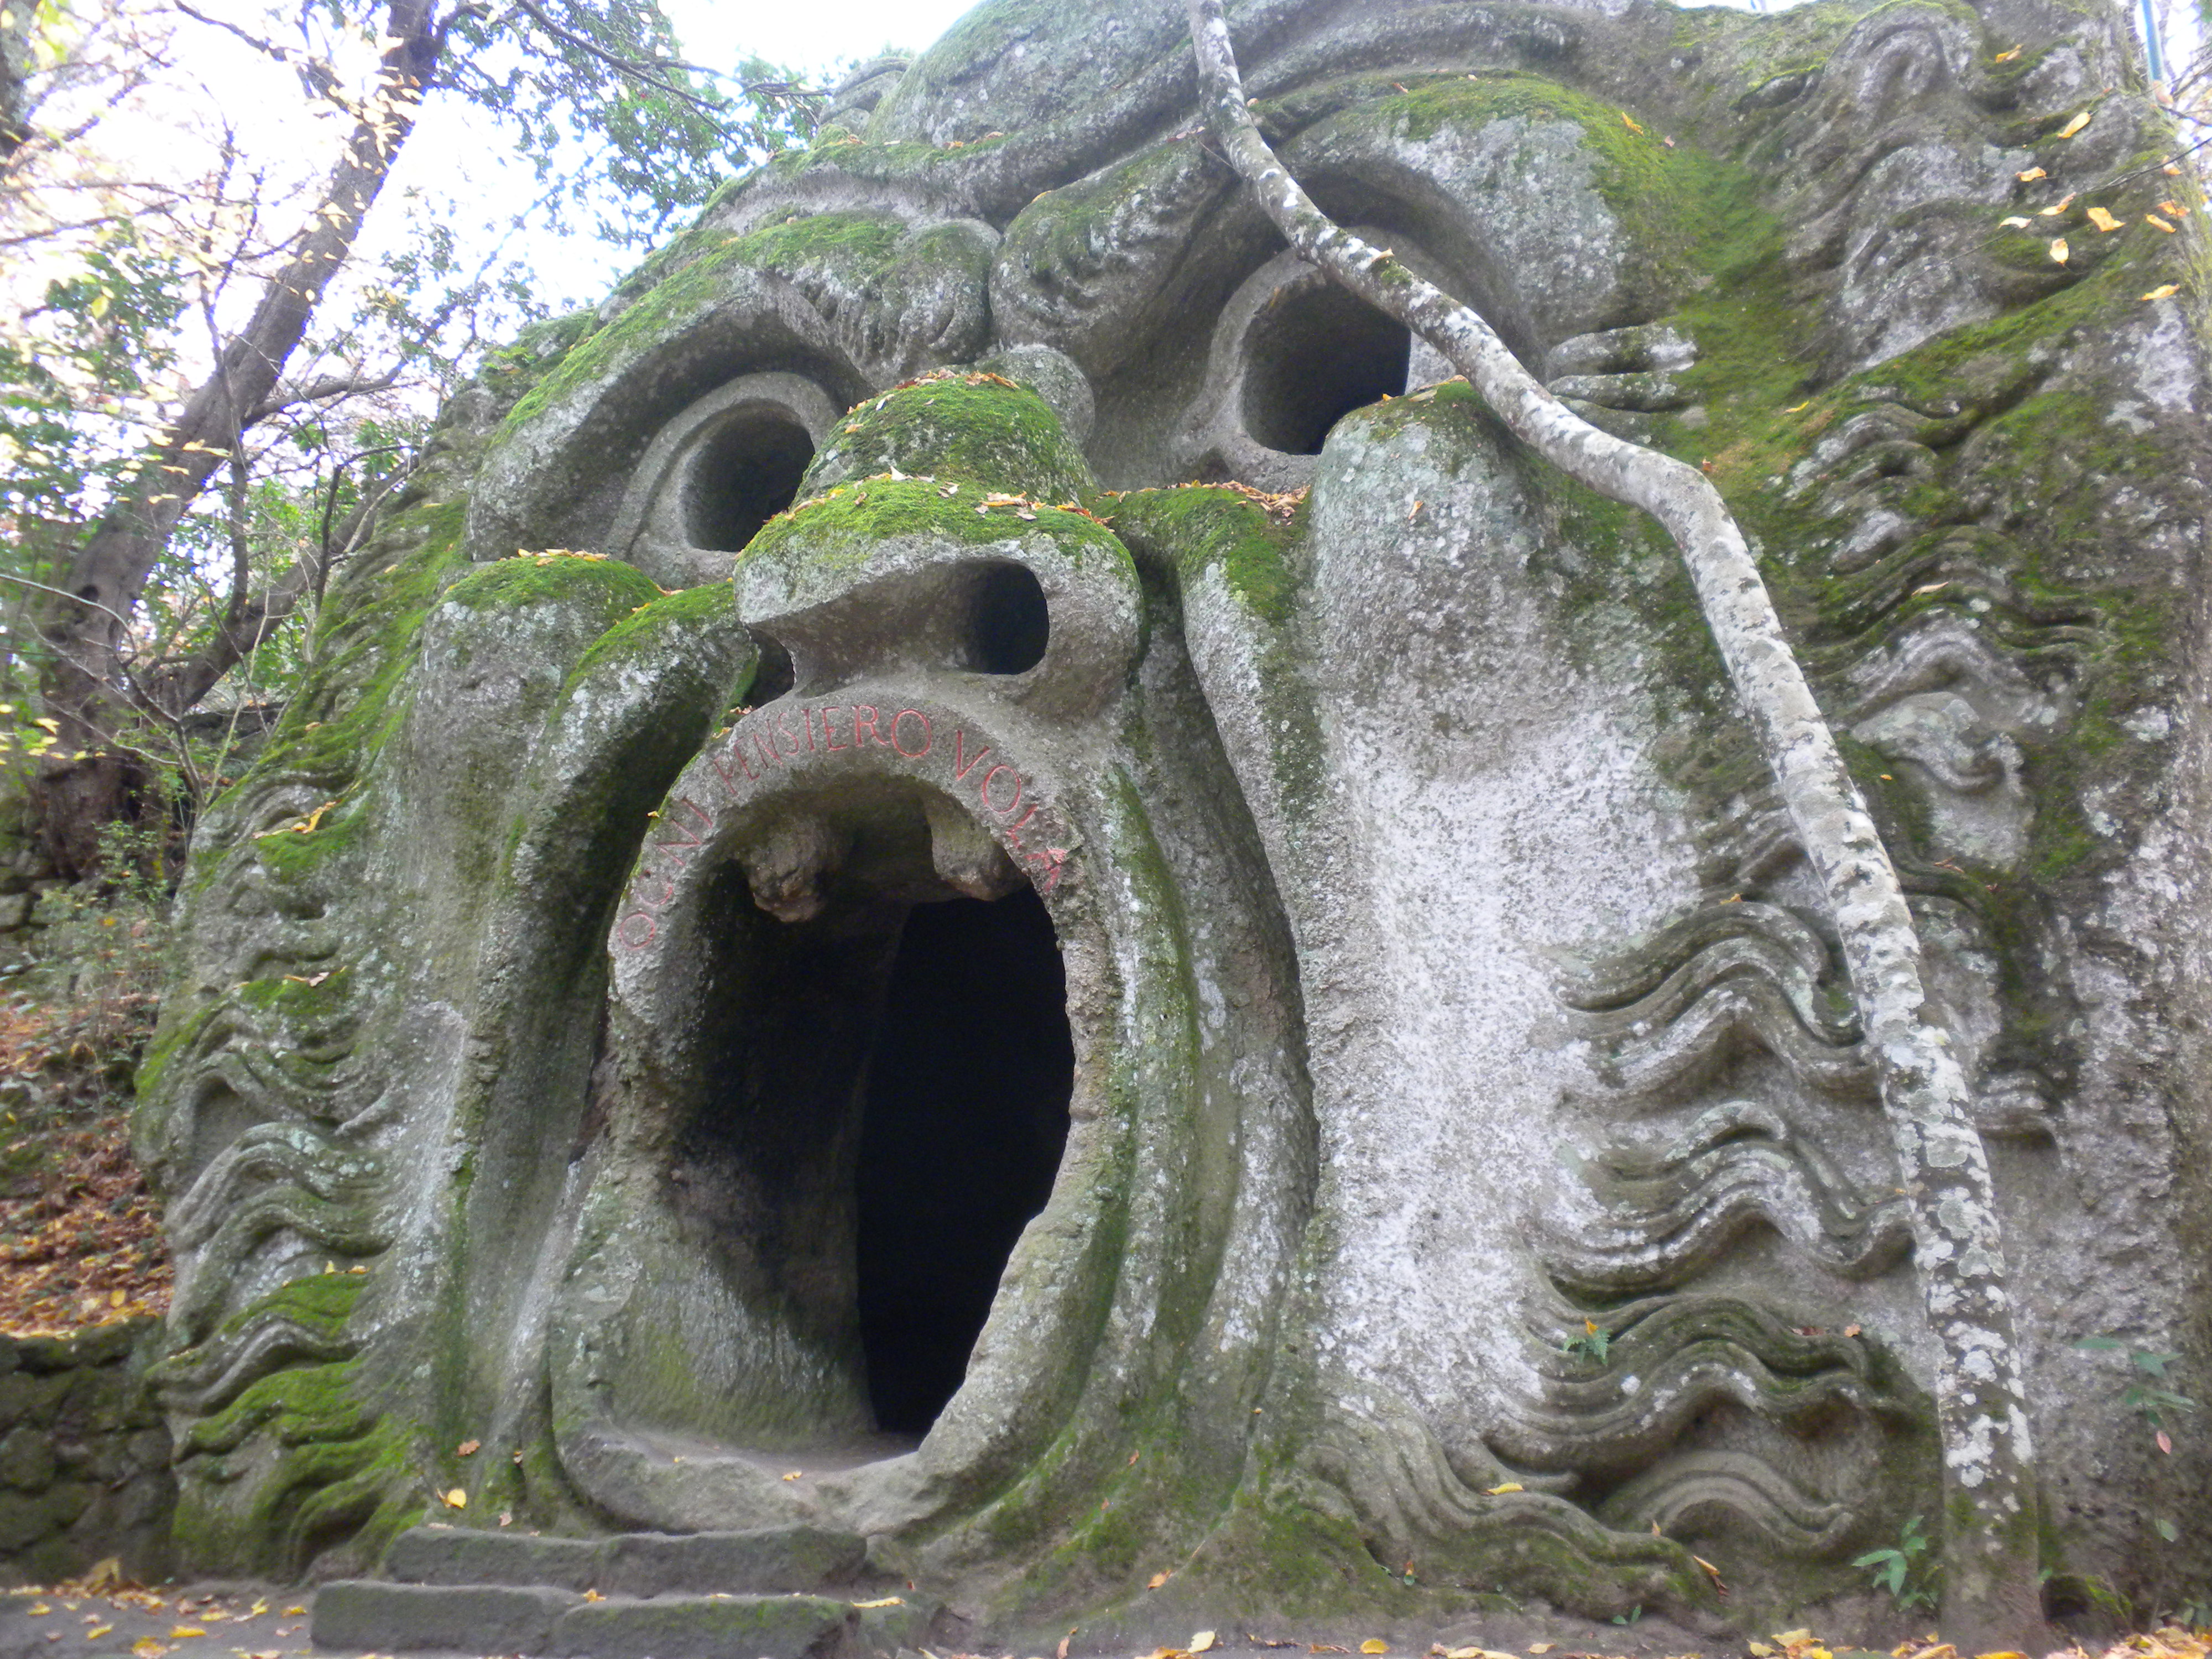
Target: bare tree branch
(1992,1595)
(334,385)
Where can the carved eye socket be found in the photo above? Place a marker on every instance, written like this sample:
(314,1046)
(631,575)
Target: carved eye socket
(743,474)
(1311,358)
(1010,623)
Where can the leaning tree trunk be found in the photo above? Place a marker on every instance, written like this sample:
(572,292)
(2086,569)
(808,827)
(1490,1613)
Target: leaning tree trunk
(84,785)
(1991,1597)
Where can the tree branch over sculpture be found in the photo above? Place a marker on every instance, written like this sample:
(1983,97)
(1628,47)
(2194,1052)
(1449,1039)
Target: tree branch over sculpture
(1991,1589)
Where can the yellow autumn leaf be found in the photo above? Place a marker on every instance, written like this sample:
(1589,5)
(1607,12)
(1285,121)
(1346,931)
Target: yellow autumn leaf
(2103,221)
(1760,1650)
(1374,1644)
(183,1631)
(1463,1653)
(1797,408)
(1790,1638)
(2075,126)
(1541,1647)
(2006,57)
(2163,291)
(147,1648)
(97,1631)
(2055,208)
(2031,175)
(2152,219)
(457,1499)
(2059,250)
(1201,1642)
(1157,1579)
(1511,1486)
(1632,127)
(593,1595)
(2002,1653)
(2173,208)
(882,1601)
(2014,224)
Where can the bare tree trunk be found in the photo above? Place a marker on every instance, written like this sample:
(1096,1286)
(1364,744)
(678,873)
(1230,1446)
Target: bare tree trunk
(85,691)
(1991,1596)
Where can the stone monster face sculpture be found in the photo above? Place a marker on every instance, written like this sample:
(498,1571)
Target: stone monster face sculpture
(837,943)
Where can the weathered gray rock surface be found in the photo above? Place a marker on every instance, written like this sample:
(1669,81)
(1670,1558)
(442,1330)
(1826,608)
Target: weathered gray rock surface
(839,946)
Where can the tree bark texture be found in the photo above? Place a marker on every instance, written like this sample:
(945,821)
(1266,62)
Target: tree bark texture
(86,684)
(1992,1594)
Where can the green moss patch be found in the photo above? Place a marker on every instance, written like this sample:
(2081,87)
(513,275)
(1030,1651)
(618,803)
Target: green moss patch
(843,530)
(974,429)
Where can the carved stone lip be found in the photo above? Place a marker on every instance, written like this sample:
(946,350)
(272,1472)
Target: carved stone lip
(699,1378)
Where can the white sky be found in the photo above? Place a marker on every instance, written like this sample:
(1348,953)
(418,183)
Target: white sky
(808,34)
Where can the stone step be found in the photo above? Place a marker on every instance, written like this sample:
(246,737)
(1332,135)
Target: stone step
(782,1560)
(372,1616)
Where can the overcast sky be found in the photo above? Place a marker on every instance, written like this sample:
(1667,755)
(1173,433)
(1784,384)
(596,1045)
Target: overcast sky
(808,34)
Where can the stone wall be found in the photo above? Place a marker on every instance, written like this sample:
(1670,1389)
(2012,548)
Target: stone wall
(84,1455)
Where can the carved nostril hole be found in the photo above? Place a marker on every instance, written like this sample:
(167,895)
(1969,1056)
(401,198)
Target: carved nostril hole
(1312,356)
(1010,623)
(773,676)
(741,476)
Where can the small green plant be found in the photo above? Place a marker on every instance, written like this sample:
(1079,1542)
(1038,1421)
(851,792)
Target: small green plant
(2147,1396)
(1630,1616)
(1906,1571)
(2195,1613)
(1594,1344)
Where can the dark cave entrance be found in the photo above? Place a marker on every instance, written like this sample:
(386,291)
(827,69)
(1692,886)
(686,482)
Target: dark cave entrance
(963,1122)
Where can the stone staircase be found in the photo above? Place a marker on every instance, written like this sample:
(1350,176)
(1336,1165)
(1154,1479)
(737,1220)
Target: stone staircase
(790,1592)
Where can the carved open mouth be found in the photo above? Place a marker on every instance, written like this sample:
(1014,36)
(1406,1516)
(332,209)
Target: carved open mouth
(881,1106)
(838,1090)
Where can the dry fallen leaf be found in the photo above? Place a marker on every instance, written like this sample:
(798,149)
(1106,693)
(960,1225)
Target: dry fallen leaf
(1374,1644)
(467,1449)
(1201,1642)
(1157,1579)
(2075,126)
(183,1631)
(2103,221)
(2014,224)
(2006,57)
(593,1595)
(2055,208)
(1541,1647)
(147,1648)
(1630,125)
(2031,175)
(1500,1491)
(2173,208)
(2152,219)
(97,1631)
(883,1602)
(457,1499)
(2059,251)
(2163,291)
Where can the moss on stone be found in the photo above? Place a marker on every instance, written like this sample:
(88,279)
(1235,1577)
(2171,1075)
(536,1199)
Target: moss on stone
(1193,527)
(1661,194)
(854,246)
(845,528)
(509,584)
(643,635)
(974,429)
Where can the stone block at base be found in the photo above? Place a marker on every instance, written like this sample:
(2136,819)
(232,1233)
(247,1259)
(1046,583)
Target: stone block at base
(779,1559)
(378,1618)
(703,1628)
